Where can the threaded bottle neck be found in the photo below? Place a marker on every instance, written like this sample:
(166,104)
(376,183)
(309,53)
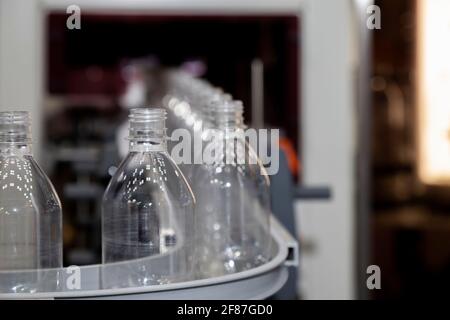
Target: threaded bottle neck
(227,115)
(215,102)
(15,127)
(15,133)
(147,130)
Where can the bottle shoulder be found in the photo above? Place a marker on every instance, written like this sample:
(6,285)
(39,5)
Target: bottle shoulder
(148,173)
(23,185)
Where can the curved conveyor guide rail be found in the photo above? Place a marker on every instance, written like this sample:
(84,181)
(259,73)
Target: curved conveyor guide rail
(257,283)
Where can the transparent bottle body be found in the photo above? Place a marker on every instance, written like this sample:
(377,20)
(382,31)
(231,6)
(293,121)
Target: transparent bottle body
(30,220)
(233,210)
(148,211)
(233,198)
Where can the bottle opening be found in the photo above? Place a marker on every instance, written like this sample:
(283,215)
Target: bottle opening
(227,114)
(147,131)
(15,127)
(147,115)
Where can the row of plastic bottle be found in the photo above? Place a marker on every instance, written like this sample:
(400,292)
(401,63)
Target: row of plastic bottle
(232,192)
(213,222)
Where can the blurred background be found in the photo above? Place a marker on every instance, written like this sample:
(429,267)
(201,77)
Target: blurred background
(364,114)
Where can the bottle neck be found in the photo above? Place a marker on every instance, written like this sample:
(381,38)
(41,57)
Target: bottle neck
(15,133)
(227,116)
(147,130)
(15,149)
(210,109)
(156,145)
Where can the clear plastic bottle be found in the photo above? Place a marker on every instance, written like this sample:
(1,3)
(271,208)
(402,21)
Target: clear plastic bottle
(148,207)
(233,199)
(30,210)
